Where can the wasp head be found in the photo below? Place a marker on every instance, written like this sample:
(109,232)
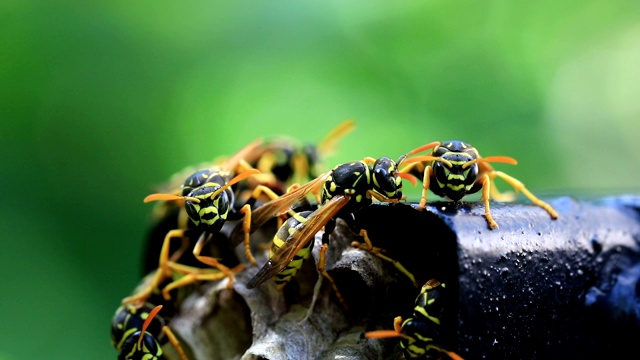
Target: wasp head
(385,178)
(457,175)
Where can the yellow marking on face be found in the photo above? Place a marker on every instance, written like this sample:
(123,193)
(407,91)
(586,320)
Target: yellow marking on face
(459,163)
(358,198)
(455,177)
(455,187)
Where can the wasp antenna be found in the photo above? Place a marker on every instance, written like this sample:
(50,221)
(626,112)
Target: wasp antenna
(243,175)
(422,148)
(411,178)
(160,197)
(498,159)
(384,334)
(146,323)
(424,158)
(452,355)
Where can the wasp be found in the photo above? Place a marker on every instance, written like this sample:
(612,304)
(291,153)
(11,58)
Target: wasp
(280,240)
(455,169)
(344,190)
(138,331)
(208,202)
(289,162)
(419,334)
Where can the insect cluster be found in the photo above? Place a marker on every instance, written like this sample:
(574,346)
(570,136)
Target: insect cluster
(278,189)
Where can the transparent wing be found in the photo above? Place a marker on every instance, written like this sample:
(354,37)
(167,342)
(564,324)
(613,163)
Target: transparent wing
(304,233)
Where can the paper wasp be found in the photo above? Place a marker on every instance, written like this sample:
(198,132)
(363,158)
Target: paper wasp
(289,162)
(342,191)
(420,333)
(139,331)
(455,169)
(208,201)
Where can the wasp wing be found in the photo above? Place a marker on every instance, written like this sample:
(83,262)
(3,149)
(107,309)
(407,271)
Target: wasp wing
(231,163)
(298,239)
(277,207)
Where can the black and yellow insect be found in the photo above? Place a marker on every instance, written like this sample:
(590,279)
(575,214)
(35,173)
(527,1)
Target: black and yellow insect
(420,334)
(290,162)
(139,331)
(208,201)
(455,169)
(344,190)
(280,240)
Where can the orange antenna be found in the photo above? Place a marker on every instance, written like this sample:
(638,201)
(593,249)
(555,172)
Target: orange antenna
(411,178)
(498,159)
(383,334)
(147,321)
(243,175)
(160,197)
(418,150)
(424,158)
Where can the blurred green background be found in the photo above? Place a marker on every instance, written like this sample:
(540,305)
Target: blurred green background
(100,101)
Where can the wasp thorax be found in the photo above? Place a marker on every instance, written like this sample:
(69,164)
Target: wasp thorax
(197,179)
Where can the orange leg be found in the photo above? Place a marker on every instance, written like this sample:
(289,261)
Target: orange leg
(486,191)
(425,187)
(246,223)
(163,272)
(397,324)
(368,246)
(211,261)
(321,268)
(174,342)
(519,186)
(193,275)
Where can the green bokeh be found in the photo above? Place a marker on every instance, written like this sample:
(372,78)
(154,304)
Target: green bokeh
(102,101)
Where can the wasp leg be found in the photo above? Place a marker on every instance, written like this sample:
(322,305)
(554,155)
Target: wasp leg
(163,272)
(246,223)
(174,342)
(425,187)
(368,246)
(501,196)
(486,191)
(211,261)
(397,324)
(519,186)
(321,268)
(193,275)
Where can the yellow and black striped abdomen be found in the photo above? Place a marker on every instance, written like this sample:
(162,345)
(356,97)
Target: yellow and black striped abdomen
(280,239)
(423,328)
